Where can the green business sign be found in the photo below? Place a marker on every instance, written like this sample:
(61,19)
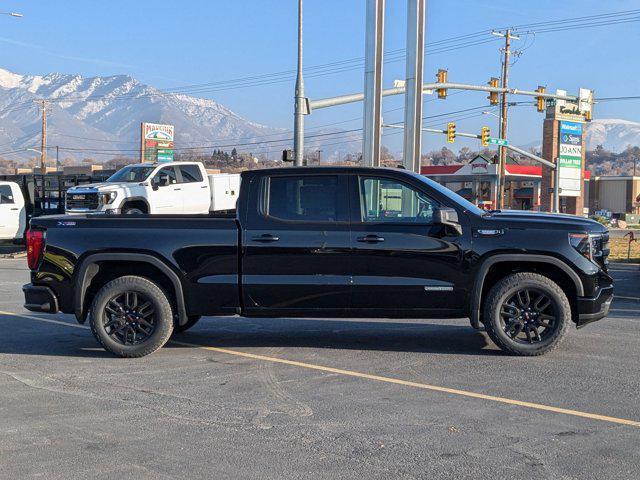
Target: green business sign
(569,162)
(165,157)
(498,141)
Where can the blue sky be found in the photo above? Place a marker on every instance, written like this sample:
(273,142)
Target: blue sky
(171,44)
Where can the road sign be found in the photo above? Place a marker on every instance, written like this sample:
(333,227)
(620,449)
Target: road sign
(498,141)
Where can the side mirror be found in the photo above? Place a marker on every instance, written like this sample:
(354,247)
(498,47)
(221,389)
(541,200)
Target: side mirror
(447,217)
(160,180)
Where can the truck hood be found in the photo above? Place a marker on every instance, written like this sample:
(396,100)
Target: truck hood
(523,219)
(101,187)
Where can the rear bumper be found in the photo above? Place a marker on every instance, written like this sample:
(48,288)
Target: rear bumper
(593,309)
(39,299)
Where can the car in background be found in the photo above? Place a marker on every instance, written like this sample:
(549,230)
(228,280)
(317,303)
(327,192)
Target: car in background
(13,215)
(157,188)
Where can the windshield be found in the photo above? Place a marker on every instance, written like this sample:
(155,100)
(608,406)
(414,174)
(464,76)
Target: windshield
(131,173)
(450,194)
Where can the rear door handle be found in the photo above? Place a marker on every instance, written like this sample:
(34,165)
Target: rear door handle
(371,239)
(265,237)
(176,189)
(15,209)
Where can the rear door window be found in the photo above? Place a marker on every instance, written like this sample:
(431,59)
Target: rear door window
(190,173)
(306,198)
(6,195)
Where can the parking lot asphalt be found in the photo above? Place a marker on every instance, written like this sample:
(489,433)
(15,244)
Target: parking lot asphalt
(292,398)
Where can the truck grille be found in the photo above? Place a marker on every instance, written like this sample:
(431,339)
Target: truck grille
(87,201)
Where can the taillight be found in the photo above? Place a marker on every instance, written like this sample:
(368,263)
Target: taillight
(35,247)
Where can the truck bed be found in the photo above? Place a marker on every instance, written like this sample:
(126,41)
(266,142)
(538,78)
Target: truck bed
(189,244)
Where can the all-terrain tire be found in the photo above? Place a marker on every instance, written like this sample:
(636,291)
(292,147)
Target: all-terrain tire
(505,289)
(193,319)
(132,211)
(162,316)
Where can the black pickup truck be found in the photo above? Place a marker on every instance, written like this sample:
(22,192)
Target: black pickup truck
(324,242)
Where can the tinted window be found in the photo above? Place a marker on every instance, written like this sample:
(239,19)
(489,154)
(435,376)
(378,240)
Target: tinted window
(190,173)
(386,200)
(169,171)
(131,174)
(305,198)
(6,195)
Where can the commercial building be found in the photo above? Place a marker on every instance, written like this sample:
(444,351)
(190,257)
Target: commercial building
(616,194)
(477,181)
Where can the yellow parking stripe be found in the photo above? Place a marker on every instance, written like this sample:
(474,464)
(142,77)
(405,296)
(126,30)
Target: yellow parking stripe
(378,378)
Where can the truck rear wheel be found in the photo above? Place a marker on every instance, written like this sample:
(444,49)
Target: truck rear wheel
(131,317)
(527,314)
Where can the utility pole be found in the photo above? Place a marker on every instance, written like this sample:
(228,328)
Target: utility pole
(502,152)
(57,158)
(319,156)
(43,137)
(373,60)
(298,125)
(413,97)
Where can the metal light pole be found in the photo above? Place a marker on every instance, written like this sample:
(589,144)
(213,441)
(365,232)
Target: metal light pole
(298,125)
(373,59)
(413,85)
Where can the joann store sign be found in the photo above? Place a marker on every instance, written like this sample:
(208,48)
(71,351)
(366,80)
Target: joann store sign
(570,158)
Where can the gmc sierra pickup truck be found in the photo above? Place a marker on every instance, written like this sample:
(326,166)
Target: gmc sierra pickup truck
(324,242)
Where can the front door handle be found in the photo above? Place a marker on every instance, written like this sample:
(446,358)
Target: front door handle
(265,237)
(371,239)
(177,189)
(14,209)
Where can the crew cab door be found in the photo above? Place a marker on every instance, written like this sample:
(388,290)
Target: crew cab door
(195,189)
(403,264)
(296,245)
(12,211)
(166,193)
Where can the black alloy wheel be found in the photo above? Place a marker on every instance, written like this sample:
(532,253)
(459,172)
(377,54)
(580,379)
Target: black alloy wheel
(526,313)
(529,316)
(129,318)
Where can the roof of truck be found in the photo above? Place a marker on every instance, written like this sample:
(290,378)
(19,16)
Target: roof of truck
(326,169)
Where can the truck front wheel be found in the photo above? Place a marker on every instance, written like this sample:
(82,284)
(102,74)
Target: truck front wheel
(526,314)
(131,317)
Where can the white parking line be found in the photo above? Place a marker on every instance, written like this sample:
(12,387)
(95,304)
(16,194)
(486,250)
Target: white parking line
(377,378)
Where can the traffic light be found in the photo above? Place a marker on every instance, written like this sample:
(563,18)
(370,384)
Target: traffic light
(451,132)
(540,101)
(484,136)
(493,96)
(442,78)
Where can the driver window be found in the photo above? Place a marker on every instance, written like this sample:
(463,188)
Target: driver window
(170,172)
(389,201)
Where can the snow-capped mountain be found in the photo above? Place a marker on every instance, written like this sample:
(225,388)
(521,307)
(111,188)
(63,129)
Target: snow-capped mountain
(613,134)
(104,114)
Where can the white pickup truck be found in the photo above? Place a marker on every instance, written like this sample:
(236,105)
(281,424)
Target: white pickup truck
(157,188)
(13,214)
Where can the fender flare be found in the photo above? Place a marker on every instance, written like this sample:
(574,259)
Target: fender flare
(89,268)
(135,199)
(515,257)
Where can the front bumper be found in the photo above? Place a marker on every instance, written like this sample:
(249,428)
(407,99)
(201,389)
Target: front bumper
(593,309)
(39,299)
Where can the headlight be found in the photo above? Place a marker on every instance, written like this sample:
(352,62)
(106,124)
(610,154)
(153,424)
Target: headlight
(107,197)
(589,246)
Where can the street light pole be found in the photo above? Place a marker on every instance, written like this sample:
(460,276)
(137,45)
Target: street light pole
(298,125)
